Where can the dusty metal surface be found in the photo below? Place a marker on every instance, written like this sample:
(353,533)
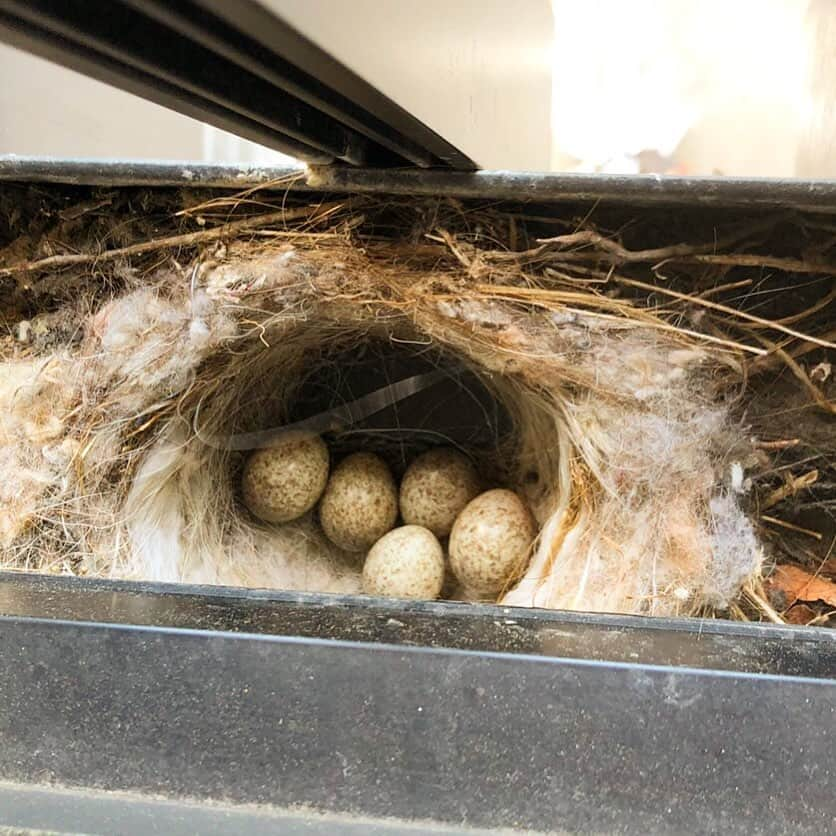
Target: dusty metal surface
(43,810)
(708,644)
(357,728)
(460,714)
(640,190)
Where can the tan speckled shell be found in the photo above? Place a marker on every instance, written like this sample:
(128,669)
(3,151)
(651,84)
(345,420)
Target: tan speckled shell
(408,562)
(360,503)
(490,541)
(282,482)
(435,489)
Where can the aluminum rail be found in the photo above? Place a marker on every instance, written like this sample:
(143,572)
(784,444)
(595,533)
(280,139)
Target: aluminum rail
(455,714)
(515,186)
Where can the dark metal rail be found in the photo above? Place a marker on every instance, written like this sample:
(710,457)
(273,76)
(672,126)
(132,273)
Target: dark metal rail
(546,721)
(518,187)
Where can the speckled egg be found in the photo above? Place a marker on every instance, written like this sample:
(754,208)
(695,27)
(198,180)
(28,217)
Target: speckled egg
(490,541)
(408,562)
(360,503)
(435,489)
(284,481)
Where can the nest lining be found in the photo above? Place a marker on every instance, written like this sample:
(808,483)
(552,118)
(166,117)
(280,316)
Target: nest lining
(621,431)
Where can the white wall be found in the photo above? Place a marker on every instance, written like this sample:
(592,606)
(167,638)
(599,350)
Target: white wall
(720,86)
(817,144)
(477,71)
(46,110)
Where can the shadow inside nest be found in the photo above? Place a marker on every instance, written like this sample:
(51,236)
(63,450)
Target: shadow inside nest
(451,406)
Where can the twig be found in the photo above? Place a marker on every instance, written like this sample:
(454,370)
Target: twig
(759,599)
(770,360)
(621,255)
(791,488)
(721,288)
(782,444)
(293,233)
(72,213)
(716,306)
(795,368)
(551,273)
(784,524)
(448,239)
(798,317)
(737,612)
(788,265)
(773,470)
(186,240)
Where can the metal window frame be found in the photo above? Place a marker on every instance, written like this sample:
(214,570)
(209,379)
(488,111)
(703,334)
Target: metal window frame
(234,65)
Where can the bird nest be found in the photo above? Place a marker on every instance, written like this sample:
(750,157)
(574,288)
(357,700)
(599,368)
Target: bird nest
(654,388)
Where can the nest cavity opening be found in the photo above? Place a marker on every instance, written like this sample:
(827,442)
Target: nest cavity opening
(608,433)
